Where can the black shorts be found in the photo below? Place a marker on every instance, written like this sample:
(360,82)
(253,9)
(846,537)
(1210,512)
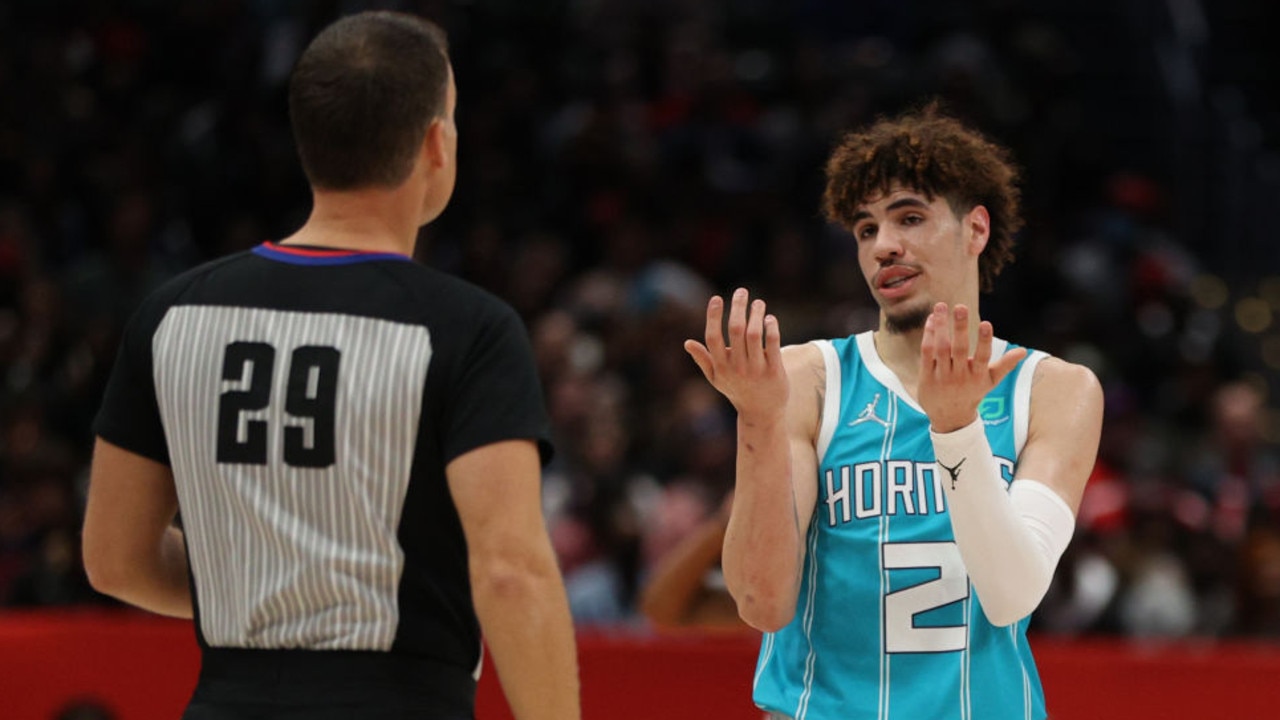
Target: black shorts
(328,685)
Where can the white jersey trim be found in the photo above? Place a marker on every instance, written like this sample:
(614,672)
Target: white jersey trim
(880,371)
(1022,399)
(831,402)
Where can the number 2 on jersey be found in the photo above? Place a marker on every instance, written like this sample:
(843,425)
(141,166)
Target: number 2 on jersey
(309,404)
(902,607)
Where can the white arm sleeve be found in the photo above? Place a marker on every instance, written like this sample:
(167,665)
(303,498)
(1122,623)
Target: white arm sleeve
(1010,541)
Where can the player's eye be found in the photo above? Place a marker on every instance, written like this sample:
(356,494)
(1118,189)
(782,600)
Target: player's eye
(912,219)
(866,232)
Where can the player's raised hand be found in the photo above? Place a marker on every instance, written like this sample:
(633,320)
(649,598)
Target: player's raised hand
(952,382)
(746,366)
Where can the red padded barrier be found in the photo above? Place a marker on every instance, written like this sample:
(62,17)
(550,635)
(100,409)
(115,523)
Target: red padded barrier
(144,667)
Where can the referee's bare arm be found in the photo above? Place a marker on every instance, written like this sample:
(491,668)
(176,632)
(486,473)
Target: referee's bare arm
(515,582)
(132,551)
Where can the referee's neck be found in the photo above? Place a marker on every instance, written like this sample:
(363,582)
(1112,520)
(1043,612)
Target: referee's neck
(369,220)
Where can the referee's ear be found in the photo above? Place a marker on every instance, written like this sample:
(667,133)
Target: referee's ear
(435,148)
(438,167)
(433,154)
(440,143)
(438,157)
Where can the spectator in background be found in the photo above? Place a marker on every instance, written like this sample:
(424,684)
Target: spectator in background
(1233,470)
(1258,596)
(685,587)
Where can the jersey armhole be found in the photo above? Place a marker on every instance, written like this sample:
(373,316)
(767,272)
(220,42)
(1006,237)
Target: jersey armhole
(830,398)
(1022,399)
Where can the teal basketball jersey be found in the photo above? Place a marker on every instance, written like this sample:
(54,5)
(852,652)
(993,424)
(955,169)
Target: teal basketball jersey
(887,624)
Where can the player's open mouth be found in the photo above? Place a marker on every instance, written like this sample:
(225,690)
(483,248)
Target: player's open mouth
(895,277)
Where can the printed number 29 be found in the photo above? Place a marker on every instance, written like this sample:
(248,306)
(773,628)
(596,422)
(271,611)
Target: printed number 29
(901,607)
(310,399)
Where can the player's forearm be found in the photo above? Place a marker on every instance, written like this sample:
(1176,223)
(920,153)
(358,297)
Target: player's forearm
(524,615)
(762,546)
(155,581)
(1010,541)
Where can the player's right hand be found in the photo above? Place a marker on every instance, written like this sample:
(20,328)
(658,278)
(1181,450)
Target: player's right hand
(746,365)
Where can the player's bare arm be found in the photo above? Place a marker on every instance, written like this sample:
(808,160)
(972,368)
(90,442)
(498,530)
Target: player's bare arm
(776,392)
(1065,428)
(132,551)
(516,585)
(1010,540)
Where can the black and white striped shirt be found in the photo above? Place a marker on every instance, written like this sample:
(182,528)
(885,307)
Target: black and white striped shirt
(308,402)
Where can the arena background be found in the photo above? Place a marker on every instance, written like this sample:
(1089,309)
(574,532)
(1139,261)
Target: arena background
(621,160)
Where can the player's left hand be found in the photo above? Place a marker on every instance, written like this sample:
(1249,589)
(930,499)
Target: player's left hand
(952,382)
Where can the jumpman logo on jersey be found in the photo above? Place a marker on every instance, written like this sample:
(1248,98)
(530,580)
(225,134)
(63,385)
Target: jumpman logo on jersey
(954,472)
(868,414)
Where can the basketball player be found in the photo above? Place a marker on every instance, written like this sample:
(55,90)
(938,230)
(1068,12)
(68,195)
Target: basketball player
(353,439)
(902,495)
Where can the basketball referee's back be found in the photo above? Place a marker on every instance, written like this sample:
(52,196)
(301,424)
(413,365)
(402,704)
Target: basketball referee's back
(352,439)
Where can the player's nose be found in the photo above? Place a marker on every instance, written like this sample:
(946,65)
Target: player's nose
(887,245)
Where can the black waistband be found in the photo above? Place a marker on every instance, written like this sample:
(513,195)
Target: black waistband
(326,676)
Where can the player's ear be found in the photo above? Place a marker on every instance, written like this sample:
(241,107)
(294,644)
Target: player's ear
(977,224)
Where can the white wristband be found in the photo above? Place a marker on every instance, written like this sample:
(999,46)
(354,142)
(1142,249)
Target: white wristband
(1010,540)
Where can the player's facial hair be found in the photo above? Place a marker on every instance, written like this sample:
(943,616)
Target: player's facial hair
(907,321)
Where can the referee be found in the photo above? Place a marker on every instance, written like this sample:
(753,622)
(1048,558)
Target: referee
(353,439)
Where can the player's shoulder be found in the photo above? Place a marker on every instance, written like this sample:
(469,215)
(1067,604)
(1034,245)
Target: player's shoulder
(814,353)
(1056,378)
(804,364)
(802,355)
(806,370)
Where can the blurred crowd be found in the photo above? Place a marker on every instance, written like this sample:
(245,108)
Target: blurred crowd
(620,162)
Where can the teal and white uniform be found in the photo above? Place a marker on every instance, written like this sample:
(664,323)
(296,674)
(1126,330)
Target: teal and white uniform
(887,624)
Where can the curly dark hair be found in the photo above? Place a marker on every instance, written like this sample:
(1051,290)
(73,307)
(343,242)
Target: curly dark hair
(939,156)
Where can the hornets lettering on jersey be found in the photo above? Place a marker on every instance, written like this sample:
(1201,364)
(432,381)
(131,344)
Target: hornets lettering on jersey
(887,625)
(875,487)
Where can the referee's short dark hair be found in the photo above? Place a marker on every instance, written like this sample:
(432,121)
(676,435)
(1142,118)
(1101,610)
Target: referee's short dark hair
(362,95)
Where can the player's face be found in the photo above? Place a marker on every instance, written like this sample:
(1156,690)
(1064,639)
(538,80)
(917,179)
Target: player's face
(914,252)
